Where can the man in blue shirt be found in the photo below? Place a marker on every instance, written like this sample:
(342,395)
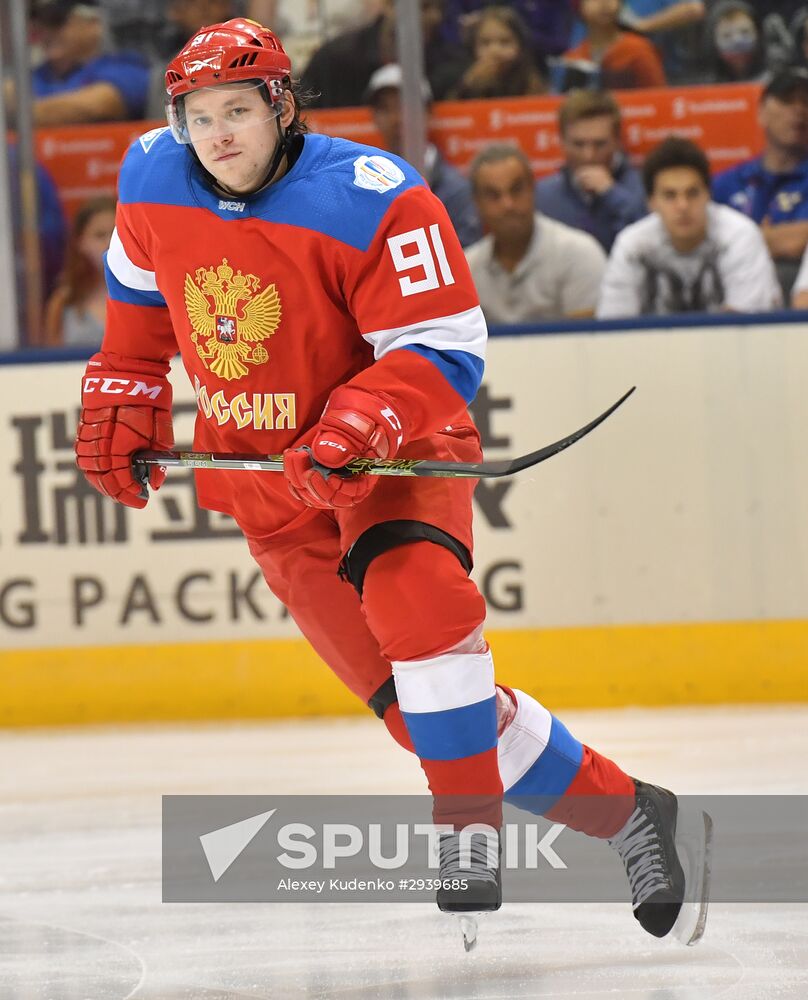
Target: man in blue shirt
(79,81)
(773,188)
(597,189)
(383,94)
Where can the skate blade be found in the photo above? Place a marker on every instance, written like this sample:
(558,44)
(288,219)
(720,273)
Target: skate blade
(468,927)
(694,835)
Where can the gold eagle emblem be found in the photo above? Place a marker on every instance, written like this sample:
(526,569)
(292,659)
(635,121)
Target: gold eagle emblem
(230,318)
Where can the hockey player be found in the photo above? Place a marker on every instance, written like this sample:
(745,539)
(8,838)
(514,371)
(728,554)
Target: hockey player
(323,307)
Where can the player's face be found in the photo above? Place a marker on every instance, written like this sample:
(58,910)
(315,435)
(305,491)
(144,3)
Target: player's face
(680,198)
(590,142)
(785,120)
(387,117)
(503,192)
(234,133)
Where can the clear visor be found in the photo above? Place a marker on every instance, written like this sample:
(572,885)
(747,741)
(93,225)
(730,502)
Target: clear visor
(212,113)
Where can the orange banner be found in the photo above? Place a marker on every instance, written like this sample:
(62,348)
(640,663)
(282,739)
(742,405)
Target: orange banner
(83,160)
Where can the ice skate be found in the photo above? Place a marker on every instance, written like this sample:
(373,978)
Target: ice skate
(470,880)
(665,849)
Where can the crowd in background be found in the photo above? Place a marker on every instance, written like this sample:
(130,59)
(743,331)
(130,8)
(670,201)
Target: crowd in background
(102,60)
(598,238)
(602,238)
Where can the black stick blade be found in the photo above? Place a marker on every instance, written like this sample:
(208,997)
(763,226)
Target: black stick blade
(526,461)
(507,466)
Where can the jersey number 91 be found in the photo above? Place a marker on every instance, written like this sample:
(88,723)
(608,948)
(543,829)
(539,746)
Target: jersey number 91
(429,255)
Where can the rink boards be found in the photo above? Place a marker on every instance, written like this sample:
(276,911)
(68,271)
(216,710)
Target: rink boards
(663,560)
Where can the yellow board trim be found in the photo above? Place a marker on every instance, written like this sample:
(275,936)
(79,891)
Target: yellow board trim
(596,667)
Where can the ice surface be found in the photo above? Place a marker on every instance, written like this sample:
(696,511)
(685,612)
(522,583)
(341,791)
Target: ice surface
(81,916)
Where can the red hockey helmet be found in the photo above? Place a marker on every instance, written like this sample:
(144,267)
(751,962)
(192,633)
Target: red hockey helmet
(231,52)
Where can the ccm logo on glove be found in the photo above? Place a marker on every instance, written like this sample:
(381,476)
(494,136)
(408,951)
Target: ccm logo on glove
(121,386)
(354,424)
(126,407)
(332,444)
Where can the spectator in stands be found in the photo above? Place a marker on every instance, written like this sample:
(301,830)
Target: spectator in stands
(548,23)
(689,255)
(384,97)
(772,189)
(734,43)
(779,25)
(528,268)
(340,69)
(619,60)
(674,26)
(597,189)
(503,65)
(76,311)
(669,24)
(80,81)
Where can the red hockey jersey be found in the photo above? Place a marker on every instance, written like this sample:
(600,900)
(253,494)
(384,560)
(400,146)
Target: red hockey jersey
(346,269)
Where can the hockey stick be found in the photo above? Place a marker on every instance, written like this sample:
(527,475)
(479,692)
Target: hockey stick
(371,466)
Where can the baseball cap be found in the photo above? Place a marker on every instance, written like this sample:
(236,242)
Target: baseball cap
(785,83)
(390,77)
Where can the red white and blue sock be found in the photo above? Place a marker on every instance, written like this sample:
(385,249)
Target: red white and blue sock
(546,770)
(448,704)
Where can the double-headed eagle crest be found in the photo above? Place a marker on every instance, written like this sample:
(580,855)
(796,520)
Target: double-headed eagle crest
(230,318)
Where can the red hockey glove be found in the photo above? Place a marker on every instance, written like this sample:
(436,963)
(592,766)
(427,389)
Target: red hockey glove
(354,424)
(124,409)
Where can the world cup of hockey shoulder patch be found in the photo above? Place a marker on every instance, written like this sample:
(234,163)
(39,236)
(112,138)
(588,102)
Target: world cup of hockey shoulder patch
(148,139)
(377,173)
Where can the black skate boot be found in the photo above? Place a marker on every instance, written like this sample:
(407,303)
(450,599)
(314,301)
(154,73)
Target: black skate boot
(470,879)
(666,854)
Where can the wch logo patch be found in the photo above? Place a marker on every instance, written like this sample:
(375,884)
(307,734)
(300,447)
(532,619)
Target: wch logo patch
(377,173)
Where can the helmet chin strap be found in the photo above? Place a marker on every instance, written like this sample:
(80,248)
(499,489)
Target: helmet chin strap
(280,152)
